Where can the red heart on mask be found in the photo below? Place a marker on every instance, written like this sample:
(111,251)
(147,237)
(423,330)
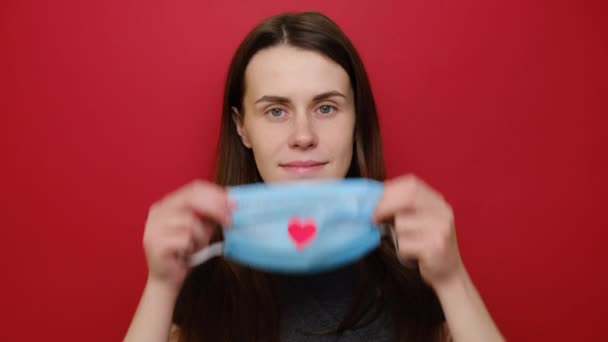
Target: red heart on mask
(301,232)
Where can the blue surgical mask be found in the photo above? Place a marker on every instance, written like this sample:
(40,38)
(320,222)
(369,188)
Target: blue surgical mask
(300,227)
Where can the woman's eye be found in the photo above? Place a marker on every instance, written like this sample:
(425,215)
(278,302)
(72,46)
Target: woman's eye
(275,112)
(326,109)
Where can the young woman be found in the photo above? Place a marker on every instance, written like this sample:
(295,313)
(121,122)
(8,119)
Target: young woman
(298,105)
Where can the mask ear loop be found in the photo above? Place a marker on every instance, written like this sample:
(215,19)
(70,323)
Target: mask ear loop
(211,251)
(390,229)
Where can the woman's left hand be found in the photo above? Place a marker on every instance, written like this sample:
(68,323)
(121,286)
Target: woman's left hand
(424,228)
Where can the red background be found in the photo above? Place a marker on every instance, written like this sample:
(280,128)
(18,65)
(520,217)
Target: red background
(108,105)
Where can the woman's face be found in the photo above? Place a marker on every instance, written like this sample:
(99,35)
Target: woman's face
(298,115)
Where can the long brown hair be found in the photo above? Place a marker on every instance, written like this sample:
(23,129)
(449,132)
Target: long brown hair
(223,301)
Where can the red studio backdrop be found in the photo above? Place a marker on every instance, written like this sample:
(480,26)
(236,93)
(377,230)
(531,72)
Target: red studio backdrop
(108,105)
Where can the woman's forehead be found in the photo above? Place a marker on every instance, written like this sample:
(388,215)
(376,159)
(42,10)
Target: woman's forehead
(293,73)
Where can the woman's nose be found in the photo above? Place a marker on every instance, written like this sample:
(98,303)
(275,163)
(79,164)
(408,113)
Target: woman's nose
(303,135)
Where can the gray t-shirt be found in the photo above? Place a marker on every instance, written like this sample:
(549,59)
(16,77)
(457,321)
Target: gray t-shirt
(318,303)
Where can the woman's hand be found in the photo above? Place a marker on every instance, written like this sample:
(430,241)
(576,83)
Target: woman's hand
(424,228)
(179,225)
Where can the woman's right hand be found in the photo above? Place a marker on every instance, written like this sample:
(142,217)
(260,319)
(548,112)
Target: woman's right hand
(179,225)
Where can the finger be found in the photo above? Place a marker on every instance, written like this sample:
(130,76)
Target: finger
(206,199)
(231,203)
(178,247)
(201,233)
(409,225)
(408,250)
(407,194)
(179,224)
(199,230)
(398,196)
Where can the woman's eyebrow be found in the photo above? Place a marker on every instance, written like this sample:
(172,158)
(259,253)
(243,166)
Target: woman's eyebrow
(283,100)
(328,94)
(272,98)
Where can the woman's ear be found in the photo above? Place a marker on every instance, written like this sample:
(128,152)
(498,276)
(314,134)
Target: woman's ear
(240,129)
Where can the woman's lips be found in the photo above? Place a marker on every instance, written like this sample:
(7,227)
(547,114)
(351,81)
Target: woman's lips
(303,166)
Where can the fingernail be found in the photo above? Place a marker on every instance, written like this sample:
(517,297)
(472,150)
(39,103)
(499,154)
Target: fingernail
(228,220)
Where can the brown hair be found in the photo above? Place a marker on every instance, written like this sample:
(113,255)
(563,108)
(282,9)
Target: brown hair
(223,301)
